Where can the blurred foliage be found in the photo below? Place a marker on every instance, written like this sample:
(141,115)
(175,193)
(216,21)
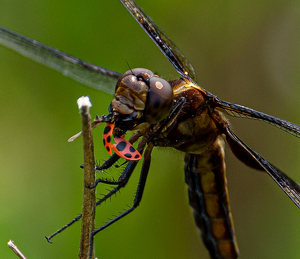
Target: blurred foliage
(245,52)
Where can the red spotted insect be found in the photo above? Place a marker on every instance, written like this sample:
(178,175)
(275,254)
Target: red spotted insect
(178,114)
(123,148)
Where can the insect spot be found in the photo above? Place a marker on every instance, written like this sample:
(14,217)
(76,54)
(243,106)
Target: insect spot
(131,149)
(121,146)
(128,155)
(107,129)
(108,139)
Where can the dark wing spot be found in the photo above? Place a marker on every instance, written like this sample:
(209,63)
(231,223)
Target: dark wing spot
(107,129)
(128,155)
(136,156)
(131,149)
(121,146)
(108,139)
(108,149)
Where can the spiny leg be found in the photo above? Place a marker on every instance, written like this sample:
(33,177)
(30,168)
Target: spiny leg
(122,181)
(138,195)
(108,163)
(170,119)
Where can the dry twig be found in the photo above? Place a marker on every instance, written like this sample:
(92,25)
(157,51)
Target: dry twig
(89,195)
(15,249)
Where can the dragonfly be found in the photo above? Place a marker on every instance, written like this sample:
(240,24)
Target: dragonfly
(198,131)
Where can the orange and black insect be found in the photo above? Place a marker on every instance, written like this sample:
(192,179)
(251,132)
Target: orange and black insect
(122,147)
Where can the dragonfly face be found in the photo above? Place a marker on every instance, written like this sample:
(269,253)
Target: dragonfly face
(210,79)
(141,96)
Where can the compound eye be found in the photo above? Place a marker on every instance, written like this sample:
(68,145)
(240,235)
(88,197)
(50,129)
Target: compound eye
(159,100)
(142,74)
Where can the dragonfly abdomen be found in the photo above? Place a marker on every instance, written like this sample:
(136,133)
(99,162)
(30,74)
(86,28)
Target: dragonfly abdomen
(208,196)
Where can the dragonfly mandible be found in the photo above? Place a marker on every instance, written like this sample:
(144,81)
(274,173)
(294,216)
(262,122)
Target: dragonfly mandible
(222,104)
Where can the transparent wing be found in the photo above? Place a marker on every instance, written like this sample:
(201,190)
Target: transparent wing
(164,43)
(81,71)
(237,110)
(290,187)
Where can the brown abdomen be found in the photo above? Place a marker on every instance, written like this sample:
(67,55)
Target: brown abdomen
(208,196)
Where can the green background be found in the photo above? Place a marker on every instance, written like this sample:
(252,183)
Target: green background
(245,52)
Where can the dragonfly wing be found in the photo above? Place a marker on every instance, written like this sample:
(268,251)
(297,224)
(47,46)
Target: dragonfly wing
(237,110)
(91,75)
(290,187)
(164,43)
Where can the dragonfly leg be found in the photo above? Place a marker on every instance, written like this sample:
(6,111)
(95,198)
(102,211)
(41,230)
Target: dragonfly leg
(170,119)
(138,195)
(123,179)
(108,163)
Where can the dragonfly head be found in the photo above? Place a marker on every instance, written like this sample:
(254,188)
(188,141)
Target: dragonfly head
(141,96)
